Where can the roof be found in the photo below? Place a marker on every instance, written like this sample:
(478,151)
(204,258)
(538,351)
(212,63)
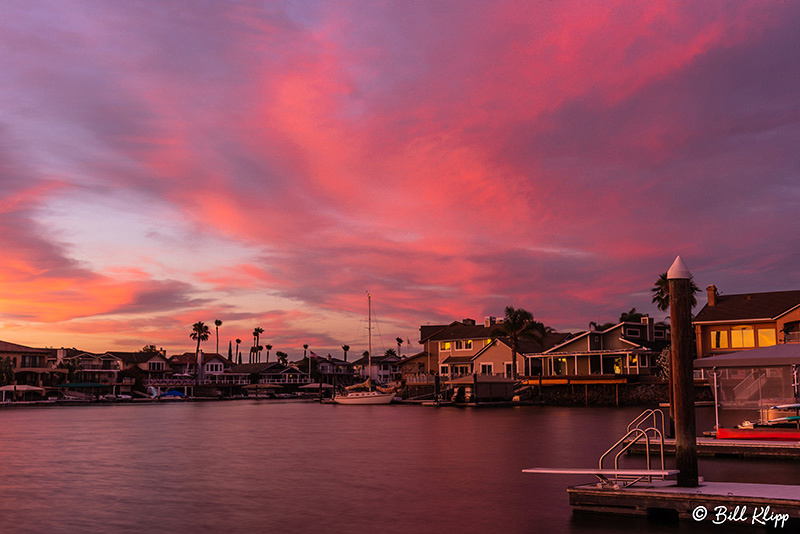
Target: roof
(5,346)
(749,306)
(255,368)
(457,330)
(136,357)
(459,359)
(383,358)
(776,355)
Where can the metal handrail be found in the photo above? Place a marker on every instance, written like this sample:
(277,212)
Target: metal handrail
(639,433)
(642,417)
(636,432)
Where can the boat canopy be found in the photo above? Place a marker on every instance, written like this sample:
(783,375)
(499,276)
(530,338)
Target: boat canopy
(785,354)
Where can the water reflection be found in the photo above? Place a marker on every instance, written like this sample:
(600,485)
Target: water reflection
(294,467)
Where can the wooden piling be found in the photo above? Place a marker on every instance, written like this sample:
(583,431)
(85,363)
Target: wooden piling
(682,379)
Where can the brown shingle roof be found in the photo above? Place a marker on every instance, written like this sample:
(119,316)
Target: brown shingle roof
(749,306)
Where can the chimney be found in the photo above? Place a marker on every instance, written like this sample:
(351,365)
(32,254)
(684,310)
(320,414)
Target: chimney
(489,321)
(651,327)
(468,322)
(712,295)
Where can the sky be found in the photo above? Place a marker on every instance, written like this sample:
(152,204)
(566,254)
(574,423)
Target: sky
(268,163)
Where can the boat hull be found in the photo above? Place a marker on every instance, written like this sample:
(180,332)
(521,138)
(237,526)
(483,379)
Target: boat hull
(372,397)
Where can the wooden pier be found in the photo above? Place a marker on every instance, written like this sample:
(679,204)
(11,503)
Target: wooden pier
(769,505)
(732,448)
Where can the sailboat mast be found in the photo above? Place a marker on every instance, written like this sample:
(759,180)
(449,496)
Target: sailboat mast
(369,337)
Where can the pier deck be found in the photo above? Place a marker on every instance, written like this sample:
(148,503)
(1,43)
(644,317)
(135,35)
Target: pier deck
(755,504)
(741,448)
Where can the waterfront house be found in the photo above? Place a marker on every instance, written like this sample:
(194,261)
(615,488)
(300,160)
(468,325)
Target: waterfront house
(284,378)
(142,367)
(332,370)
(456,343)
(627,348)
(496,358)
(422,363)
(90,367)
(465,347)
(30,365)
(381,369)
(729,323)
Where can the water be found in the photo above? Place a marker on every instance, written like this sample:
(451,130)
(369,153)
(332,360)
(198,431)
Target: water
(255,466)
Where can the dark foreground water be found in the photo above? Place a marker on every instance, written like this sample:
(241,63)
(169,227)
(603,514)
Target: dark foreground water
(255,466)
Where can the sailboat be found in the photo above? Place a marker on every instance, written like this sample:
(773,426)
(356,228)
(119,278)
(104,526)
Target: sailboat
(372,396)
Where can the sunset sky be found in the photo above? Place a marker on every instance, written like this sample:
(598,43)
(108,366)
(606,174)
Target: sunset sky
(267,163)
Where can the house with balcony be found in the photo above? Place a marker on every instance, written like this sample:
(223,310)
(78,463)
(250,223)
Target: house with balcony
(627,348)
(31,365)
(89,367)
(466,347)
(730,323)
(381,369)
(334,370)
(453,346)
(496,358)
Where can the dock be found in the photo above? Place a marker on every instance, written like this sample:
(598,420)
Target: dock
(770,505)
(730,448)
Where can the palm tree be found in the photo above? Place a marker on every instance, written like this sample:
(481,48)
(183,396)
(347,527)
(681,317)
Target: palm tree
(217,324)
(390,352)
(519,324)
(257,331)
(631,316)
(283,358)
(345,348)
(237,349)
(200,332)
(269,348)
(661,292)
(73,365)
(399,341)
(305,348)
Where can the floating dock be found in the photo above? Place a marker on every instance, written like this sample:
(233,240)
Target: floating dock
(770,505)
(732,448)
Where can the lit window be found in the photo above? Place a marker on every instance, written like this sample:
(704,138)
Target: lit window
(444,345)
(633,360)
(742,336)
(719,339)
(487,341)
(468,344)
(766,337)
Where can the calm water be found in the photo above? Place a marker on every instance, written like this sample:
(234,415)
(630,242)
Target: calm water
(249,466)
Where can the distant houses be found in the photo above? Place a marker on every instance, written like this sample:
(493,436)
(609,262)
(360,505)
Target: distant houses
(450,354)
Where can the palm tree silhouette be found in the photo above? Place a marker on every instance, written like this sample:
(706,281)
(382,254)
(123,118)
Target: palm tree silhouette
(345,348)
(237,350)
(399,342)
(200,332)
(661,292)
(519,324)
(256,336)
(269,348)
(217,324)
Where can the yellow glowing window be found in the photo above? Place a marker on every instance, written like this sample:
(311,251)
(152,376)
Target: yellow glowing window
(488,341)
(719,339)
(634,360)
(468,344)
(444,345)
(742,336)
(766,337)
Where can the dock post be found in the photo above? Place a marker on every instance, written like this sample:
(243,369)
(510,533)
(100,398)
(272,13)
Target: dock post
(680,304)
